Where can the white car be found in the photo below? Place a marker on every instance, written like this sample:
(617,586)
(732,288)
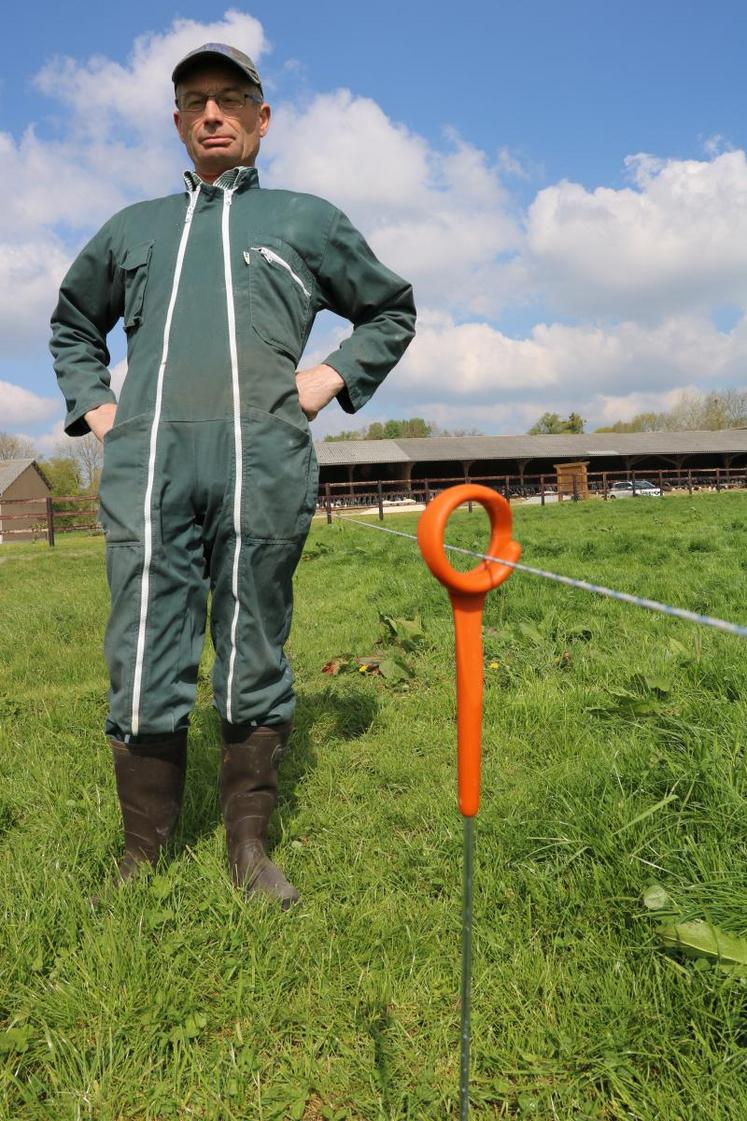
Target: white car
(626,489)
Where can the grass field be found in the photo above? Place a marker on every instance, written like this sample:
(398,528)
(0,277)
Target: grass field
(614,758)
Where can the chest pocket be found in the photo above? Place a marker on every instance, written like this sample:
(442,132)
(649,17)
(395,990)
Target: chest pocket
(280,287)
(135,267)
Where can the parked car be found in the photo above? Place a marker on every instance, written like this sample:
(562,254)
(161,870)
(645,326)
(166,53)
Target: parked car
(628,489)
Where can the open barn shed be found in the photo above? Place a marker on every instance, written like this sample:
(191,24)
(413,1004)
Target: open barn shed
(410,461)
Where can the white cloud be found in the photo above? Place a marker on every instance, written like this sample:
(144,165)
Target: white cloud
(674,242)
(18,406)
(30,274)
(631,404)
(470,363)
(441,217)
(118,373)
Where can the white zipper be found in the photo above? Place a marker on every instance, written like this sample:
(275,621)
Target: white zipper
(147,514)
(275,259)
(238,451)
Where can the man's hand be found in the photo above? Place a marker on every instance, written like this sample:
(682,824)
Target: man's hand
(316,388)
(100,420)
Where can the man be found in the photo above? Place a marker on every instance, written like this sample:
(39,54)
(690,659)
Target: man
(209,478)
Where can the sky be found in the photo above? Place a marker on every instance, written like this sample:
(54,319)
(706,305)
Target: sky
(565,185)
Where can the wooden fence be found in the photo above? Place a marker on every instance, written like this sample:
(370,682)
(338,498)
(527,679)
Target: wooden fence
(66,514)
(48,516)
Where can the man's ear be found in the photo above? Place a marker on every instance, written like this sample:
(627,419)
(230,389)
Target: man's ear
(178,123)
(265,113)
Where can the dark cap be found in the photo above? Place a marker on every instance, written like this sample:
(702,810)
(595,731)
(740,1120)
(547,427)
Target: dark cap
(212,52)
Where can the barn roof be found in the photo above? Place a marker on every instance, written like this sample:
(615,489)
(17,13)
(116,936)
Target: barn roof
(11,469)
(585,446)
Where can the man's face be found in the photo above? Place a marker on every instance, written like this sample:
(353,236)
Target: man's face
(217,140)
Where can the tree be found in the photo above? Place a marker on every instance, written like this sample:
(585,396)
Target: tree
(712,411)
(63,474)
(16,447)
(89,452)
(643,422)
(551,424)
(387,430)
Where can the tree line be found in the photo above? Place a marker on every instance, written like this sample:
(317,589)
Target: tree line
(703,412)
(409,429)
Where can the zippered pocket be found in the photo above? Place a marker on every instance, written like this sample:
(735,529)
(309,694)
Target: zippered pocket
(135,268)
(280,295)
(274,258)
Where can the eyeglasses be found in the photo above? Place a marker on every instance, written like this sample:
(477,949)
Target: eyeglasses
(229,101)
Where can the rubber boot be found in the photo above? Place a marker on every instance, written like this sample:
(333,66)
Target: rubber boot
(150,783)
(248,794)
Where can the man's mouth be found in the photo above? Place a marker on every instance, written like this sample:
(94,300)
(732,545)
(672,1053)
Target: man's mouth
(216,141)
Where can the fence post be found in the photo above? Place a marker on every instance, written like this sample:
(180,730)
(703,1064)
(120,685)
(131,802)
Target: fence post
(718,480)
(690,482)
(605,488)
(634,490)
(50,521)
(542,490)
(381,501)
(661,484)
(506,490)
(427,491)
(328,503)
(575,487)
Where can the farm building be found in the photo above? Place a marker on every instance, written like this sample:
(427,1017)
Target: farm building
(446,457)
(21,479)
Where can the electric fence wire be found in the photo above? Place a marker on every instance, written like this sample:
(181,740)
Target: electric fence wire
(582,585)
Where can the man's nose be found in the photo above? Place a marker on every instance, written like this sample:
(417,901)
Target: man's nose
(212,111)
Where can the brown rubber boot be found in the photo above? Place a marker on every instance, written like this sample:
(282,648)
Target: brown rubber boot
(150,783)
(248,793)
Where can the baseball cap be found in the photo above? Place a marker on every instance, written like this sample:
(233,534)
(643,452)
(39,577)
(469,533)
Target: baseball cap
(223,52)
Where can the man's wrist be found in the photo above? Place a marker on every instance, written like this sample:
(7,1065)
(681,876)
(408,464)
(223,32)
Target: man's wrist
(101,419)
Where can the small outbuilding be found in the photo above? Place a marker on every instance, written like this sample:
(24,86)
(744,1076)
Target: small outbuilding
(573,480)
(23,494)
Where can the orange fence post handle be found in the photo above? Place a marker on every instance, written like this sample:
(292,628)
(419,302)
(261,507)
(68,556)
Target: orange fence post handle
(467,591)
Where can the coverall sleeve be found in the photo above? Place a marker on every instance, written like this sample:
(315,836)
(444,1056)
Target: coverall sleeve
(90,303)
(379,304)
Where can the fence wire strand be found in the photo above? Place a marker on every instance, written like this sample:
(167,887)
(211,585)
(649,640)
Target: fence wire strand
(571,582)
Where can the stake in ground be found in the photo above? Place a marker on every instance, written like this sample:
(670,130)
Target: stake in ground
(614,759)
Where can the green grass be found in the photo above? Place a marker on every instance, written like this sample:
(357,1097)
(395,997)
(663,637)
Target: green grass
(614,756)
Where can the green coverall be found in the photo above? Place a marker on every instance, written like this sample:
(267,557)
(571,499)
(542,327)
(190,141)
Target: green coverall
(209,477)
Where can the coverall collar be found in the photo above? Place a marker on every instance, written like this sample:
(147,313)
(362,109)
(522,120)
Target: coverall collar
(235,178)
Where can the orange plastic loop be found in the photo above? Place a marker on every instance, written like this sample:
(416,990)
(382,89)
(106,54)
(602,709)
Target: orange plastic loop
(467,591)
(432,527)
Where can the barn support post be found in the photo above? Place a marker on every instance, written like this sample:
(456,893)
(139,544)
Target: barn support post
(381,501)
(465,468)
(328,502)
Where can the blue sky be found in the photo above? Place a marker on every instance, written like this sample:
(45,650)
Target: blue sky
(565,185)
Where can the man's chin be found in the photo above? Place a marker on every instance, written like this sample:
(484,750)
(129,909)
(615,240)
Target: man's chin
(216,162)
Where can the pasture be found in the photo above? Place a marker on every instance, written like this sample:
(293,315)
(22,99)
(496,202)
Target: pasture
(614,759)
